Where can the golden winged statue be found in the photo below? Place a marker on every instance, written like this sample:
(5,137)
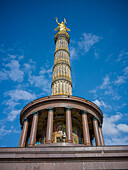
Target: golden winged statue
(62,26)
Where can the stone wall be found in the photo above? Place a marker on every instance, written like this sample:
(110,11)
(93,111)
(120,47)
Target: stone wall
(64,156)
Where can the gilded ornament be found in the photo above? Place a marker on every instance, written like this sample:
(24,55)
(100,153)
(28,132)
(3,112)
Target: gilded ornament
(61,26)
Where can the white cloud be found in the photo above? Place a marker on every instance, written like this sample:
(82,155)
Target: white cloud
(3,75)
(29,66)
(116,140)
(107,87)
(18,94)
(87,41)
(4,131)
(123,127)
(15,97)
(20,57)
(93,91)
(108,91)
(43,80)
(120,56)
(108,57)
(101,103)
(120,106)
(13,114)
(120,80)
(13,71)
(10,103)
(44,71)
(12,56)
(109,125)
(40,81)
(96,54)
(106,82)
(123,56)
(73,53)
(116,97)
(112,130)
(126,71)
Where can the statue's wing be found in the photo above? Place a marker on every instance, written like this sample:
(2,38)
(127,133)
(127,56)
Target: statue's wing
(68,29)
(65,21)
(56,29)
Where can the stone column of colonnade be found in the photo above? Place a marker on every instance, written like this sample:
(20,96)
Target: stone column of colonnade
(69,124)
(101,135)
(61,82)
(33,133)
(24,132)
(86,133)
(96,132)
(49,131)
(19,145)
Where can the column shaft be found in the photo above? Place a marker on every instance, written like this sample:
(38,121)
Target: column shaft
(49,126)
(86,129)
(101,135)
(69,125)
(19,145)
(96,132)
(32,140)
(24,133)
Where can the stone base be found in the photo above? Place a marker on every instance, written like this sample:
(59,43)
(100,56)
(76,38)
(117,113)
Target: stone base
(64,156)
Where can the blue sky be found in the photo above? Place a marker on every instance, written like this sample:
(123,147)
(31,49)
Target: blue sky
(99,59)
